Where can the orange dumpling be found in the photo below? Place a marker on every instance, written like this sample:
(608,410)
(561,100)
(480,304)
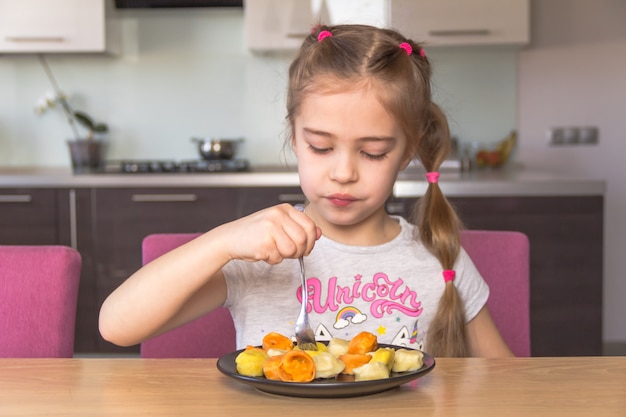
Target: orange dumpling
(296,366)
(271,367)
(353,360)
(362,343)
(275,340)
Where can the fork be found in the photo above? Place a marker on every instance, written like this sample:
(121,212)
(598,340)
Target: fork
(304,334)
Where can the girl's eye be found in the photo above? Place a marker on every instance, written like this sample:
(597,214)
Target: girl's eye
(375,157)
(320,151)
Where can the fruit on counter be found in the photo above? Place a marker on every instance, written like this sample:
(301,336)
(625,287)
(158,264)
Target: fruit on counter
(499,155)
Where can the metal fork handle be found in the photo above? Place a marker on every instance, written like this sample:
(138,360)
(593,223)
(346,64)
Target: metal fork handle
(305,293)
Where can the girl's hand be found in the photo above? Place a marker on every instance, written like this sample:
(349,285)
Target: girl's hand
(269,235)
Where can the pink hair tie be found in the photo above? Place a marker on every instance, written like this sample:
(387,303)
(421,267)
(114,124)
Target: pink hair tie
(422,53)
(323,35)
(407,47)
(432,177)
(448,275)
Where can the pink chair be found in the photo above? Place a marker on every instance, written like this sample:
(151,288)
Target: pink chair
(38,297)
(503,259)
(209,336)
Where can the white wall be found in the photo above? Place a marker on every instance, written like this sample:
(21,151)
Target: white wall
(186,72)
(574,74)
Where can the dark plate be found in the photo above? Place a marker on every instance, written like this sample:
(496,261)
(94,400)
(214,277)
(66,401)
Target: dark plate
(321,388)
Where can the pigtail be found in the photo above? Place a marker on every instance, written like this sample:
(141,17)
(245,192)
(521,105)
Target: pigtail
(439,227)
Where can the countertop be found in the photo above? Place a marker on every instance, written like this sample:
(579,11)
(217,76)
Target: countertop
(469,387)
(514,181)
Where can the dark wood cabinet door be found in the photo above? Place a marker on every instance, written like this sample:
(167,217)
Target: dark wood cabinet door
(124,216)
(566,263)
(28,216)
(253,199)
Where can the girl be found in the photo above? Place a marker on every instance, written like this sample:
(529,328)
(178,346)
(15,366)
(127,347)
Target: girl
(359,110)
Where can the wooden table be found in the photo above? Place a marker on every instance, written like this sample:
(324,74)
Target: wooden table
(584,386)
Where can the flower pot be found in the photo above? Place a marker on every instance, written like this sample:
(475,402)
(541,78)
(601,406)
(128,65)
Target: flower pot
(87,155)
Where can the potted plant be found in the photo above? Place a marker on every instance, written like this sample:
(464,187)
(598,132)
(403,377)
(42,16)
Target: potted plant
(86,150)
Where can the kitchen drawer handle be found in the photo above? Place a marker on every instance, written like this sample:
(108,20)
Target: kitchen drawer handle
(16,198)
(163,198)
(25,39)
(460,32)
(291,198)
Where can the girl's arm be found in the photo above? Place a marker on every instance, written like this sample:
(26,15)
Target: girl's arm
(187,282)
(484,338)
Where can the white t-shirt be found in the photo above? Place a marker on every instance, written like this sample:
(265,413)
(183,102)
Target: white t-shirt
(391,290)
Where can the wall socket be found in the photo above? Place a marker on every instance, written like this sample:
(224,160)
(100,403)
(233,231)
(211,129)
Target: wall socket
(572,135)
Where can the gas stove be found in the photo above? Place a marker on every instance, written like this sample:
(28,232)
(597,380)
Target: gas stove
(134,166)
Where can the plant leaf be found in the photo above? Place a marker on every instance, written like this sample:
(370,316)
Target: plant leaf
(101,128)
(84,119)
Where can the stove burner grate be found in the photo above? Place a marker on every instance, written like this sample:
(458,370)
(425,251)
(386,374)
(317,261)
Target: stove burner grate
(169,166)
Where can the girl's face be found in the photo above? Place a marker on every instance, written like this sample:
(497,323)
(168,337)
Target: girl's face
(349,152)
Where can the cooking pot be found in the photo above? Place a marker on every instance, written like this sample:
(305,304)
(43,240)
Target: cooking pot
(211,148)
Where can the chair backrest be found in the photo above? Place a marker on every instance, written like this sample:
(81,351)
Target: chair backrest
(503,259)
(38,298)
(209,336)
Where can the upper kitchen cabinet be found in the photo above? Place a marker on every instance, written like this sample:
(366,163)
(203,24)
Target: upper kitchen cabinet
(277,25)
(463,22)
(44,26)
(281,25)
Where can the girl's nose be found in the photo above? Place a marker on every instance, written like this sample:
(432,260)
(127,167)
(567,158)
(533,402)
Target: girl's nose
(344,169)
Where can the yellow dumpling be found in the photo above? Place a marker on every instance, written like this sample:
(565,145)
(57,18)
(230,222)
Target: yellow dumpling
(327,365)
(386,356)
(407,360)
(338,346)
(250,361)
(370,371)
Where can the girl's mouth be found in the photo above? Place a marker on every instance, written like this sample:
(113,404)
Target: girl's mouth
(341,200)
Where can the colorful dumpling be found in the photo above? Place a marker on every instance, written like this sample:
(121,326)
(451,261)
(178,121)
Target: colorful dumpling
(371,371)
(327,365)
(271,367)
(407,360)
(296,366)
(353,360)
(362,343)
(337,346)
(386,356)
(321,347)
(275,340)
(250,361)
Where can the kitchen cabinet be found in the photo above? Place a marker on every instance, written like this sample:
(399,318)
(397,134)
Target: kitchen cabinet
(107,221)
(277,25)
(566,258)
(44,26)
(282,25)
(122,217)
(463,22)
(253,199)
(28,216)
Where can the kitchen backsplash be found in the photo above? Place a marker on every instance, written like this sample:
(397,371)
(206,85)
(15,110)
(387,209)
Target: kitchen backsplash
(186,72)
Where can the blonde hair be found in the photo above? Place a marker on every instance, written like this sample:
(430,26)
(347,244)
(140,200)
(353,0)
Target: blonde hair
(358,56)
